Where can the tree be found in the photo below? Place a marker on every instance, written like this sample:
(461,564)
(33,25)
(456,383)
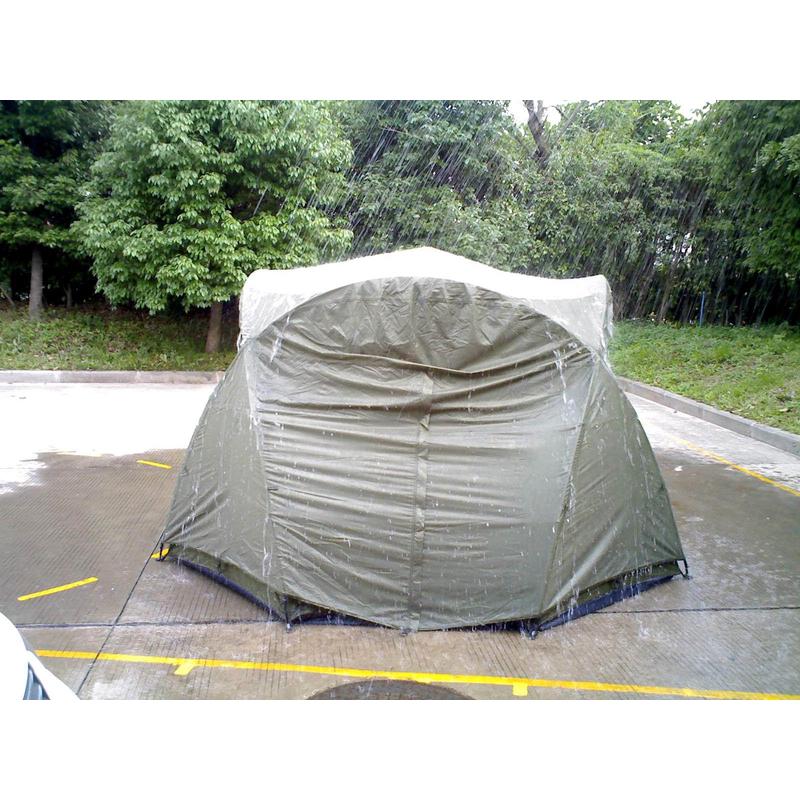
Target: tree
(189,197)
(440,173)
(754,152)
(608,199)
(46,148)
(668,209)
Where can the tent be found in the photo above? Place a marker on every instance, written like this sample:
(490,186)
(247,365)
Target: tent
(421,441)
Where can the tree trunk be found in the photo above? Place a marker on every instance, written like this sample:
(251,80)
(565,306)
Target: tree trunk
(69,295)
(639,308)
(214,328)
(8,296)
(719,298)
(536,117)
(677,255)
(35,302)
(766,283)
(665,297)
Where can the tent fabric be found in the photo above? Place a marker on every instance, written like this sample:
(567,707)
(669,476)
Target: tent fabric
(420,451)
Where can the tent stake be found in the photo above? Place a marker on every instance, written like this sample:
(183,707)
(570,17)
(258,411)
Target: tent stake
(286,613)
(529,630)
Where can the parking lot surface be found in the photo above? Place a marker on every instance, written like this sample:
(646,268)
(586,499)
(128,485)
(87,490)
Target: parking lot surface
(86,477)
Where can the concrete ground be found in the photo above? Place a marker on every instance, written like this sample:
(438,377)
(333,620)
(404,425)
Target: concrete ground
(86,477)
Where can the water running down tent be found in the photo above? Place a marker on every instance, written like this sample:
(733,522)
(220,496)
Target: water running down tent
(423,442)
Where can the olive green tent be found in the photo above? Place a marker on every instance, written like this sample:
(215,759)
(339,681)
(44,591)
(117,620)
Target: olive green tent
(423,442)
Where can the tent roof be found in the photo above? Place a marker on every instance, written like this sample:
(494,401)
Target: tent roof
(581,305)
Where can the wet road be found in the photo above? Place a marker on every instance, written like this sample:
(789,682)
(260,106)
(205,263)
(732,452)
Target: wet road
(86,477)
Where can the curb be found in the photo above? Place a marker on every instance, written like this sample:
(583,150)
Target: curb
(783,440)
(106,376)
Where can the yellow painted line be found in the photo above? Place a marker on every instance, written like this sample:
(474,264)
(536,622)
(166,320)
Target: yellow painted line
(757,475)
(518,686)
(161,553)
(153,464)
(57,589)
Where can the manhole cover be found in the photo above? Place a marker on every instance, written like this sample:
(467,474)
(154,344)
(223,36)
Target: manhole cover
(388,690)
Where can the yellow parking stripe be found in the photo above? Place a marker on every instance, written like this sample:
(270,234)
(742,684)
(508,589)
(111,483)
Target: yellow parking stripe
(57,589)
(153,464)
(519,686)
(757,475)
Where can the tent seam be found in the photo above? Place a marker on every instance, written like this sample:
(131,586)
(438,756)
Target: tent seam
(268,532)
(565,500)
(420,500)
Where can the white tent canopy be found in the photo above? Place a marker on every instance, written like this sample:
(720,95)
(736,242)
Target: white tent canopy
(581,305)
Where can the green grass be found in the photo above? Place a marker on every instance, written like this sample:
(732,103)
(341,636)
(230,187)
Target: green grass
(753,372)
(102,339)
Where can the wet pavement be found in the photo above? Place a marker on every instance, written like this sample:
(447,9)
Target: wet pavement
(86,478)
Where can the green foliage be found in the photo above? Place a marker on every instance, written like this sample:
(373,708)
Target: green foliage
(189,197)
(434,172)
(622,195)
(755,151)
(753,372)
(607,204)
(46,149)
